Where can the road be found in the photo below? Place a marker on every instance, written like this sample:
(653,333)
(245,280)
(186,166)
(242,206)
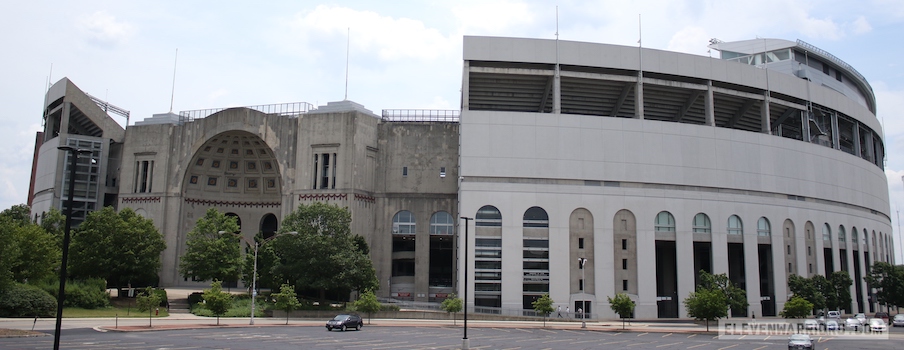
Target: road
(414,337)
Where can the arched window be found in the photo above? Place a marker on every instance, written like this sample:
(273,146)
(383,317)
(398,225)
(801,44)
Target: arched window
(269,225)
(665,222)
(536,217)
(735,226)
(842,235)
(403,223)
(488,215)
(826,232)
(865,237)
(702,224)
(238,220)
(441,223)
(854,236)
(763,228)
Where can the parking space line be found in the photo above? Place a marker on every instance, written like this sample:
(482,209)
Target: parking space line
(643,334)
(697,346)
(728,347)
(691,336)
(640,344)
(659,346)
(666,335)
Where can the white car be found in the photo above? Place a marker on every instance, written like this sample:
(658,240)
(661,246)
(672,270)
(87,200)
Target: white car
(852,324)
(811,324)
(832,325)
(877,325)
(833,315)
(898,321)
(861,317)
(800,341)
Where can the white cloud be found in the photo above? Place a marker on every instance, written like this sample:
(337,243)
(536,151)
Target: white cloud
(493,18)
(389,39)
(861,26)
(103,29)
(689,40)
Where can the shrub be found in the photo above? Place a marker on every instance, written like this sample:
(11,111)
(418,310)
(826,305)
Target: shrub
(195,298)
(23,300)
(86,294)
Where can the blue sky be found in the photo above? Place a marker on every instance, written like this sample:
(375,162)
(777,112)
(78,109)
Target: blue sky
(403,54)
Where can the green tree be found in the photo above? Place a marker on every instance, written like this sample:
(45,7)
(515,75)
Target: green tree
(54,223)
(706,304)
(734,295)
(840,286)
(286,299)
(149,301)
(30,253)
(210,255)
(797,307)
(368,304)
(888,280)
(453,305)
(20,214)
(323,255)
(543,306)
(121,248)
(216,300)
(806,288)
(622,305)
(9,254)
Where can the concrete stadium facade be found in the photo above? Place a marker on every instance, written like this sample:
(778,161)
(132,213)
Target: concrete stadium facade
(653,165)
(562,151)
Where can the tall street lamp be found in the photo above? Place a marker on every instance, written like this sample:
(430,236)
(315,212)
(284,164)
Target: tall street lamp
(583,261)
(465,343)
(254,276)
(73,156)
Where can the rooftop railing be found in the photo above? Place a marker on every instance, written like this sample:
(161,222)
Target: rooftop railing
(421,115)
(810,47)
(282,109)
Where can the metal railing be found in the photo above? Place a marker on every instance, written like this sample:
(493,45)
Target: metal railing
(810,47)
(508,312)
(282,109)
(421,115)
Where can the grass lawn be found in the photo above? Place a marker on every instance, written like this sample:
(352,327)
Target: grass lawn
(112,311)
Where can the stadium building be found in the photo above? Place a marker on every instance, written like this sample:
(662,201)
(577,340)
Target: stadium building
(583,170)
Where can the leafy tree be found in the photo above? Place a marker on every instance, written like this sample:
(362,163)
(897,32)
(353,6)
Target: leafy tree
(622,305)
(9,254)
(323,255)
(734,295)
(23,300)
(807,289)
(543,306)
(54,223)
(148,301)
(19,214)
(706,304)
(840,290)
(121,248)
(452,304)
(797,307)
(210,255)
(286,299)
(216,300)
(888,280)
(368,303)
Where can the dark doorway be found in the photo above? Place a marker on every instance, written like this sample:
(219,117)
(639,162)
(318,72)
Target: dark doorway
(666,279)
(858,278)
(737,273)
(269,225)
(767,284)
(703,259)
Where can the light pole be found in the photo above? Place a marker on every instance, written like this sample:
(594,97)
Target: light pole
(465,343)
(582,261)
(73,156)
(254,274)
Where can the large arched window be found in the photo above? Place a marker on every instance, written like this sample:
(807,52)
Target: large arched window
(238,220)
(664,222)
(855,236)
(403,223)
(763,228)
(536,217)
(702,224)
(826,232)
(842,235)
(441,223)
(865,238)
(488,215)
(735,226)
(269,225)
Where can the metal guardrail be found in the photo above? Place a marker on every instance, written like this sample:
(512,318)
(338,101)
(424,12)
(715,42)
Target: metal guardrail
(421,115)
(107,107)
(812,48)
(282,109)
(433,306)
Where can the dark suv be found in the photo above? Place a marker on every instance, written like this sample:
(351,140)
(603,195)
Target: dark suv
(344,321)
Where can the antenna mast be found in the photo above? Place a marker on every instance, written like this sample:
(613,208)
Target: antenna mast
(348,40)
(173,91)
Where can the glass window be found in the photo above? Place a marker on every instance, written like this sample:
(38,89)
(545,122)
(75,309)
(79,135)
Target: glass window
(842,235)
(488,242)
(536,243)
(854,236)
(763,228)
(441,223)
(403,223)
(702,224)
(865,237)
(665,222)
(488,215)
(826,232)
(536,217)
(735,226)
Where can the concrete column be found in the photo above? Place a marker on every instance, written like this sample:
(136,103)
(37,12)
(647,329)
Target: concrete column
(752,272)
(557,92)
(646,275)
(709,104)
(850,269)
(638,96)
(720,252)
(684,247)
(835,138)
(820,267)
(466,86)
(421,257)
(779,270)
(765,119)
